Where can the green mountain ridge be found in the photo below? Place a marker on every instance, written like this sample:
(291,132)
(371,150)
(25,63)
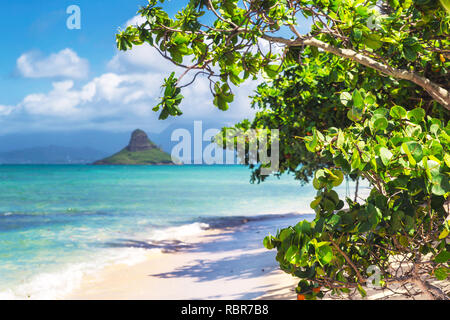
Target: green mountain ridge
(140,151)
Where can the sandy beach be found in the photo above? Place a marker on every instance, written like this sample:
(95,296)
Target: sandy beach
(220,263)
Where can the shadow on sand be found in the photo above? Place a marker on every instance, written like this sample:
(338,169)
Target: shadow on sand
(169,246)
(234,253)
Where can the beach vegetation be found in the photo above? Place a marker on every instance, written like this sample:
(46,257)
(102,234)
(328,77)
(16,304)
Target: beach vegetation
(364,93)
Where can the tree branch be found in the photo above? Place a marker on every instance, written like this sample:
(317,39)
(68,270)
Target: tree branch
(358,274)
(428,289)
(438,93)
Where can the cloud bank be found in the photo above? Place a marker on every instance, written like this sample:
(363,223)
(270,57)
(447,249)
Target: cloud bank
(64,64)
(121,98)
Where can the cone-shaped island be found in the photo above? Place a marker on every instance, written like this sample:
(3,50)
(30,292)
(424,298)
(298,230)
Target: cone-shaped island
(140,151)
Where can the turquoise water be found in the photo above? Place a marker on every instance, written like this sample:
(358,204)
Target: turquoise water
(56,222)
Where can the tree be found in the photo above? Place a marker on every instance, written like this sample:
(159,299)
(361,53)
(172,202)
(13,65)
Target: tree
(316,94)
(408,43)
(379,230)
(405,156)
(395,134)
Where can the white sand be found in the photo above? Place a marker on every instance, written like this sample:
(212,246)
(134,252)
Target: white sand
(219,264)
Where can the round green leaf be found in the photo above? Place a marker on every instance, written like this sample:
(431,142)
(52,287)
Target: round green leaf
(398,112)
(416,115)
(385,155)
(380,124)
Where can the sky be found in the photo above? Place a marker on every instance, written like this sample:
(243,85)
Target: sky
(54,79)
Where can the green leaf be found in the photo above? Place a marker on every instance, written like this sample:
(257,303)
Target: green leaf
(317,185)
(409,53)
(441,273)
(442,257)
(312,142)
(446,5)
(285,234)
(345,98)
(358,100)
(328,205)
(373,41)
(334,221)
(382,112)
(291,254)
(447,159)
(354,114)
(404,241)
(370,99)
(272,71)
(357,34)
(362,291)
(268,244)
(180,39)
(380,124)
(314,204)
(416,115)
(356,159)
(303,227)
(398,112)
(341,139)
(339,177)
(385,155)
(444,234)
(440,184)
(435,148)
(221,102)
(324,254)
(333,196)
(414,151)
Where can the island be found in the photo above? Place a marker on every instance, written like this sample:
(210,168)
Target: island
(140,151)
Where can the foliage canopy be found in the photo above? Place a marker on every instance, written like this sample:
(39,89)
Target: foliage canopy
(365,93)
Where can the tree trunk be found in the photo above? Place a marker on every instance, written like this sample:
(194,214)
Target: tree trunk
(356,189)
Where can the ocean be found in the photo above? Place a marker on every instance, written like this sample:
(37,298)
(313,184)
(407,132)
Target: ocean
(59,222)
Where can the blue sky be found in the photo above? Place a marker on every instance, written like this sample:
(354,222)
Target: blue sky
(35,25)
(56,79)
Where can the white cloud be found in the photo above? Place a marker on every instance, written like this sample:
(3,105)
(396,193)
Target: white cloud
(107,95)
(136,20)
(6,110)
(197,104)
(141,59)
(120,99)
(64,64)
(61,101)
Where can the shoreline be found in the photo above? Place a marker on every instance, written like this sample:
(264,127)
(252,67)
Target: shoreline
(226,261)
(219,258)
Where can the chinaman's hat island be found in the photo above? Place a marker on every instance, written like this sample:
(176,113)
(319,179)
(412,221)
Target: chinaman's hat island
(140,151)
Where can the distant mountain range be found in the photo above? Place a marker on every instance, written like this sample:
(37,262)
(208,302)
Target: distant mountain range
(85,146)
(51,155)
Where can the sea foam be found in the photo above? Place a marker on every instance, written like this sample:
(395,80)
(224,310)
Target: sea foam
(58,284)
